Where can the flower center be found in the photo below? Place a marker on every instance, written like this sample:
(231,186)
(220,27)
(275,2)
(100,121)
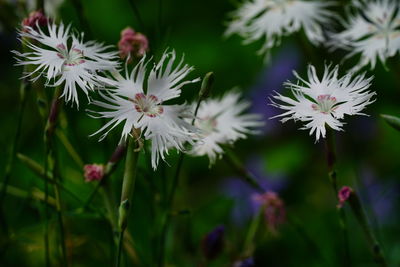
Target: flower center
(148,105)
(207,124)
(72,57)
(325,104)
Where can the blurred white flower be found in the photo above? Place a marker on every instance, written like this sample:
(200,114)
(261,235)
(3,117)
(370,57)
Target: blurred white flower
(272,19)
(63,58)
(50,7)
(321,102)
(223,121)
(373,32)
(129,104)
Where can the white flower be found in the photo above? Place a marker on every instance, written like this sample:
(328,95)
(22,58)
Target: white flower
(63,58)
(272,19)
(129,104)
(373,33)
(321,102)
(223,121)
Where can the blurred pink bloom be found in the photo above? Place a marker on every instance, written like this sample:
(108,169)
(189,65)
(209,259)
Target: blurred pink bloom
(133,44)
(35,19)
(343,195)
(93,172)
(273,208)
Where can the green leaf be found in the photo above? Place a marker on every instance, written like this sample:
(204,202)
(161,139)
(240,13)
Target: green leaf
(392,121)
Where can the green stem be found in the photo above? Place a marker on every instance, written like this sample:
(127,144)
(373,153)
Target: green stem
(81,16)
(119,247)
(50,163)
(109,169)
(39,171)
(168,216)
(109,201)
(241,170)
(251,233)
(331,161)
(313,247)
(137,14)
(10,163)
(204,92)
(70,148)
(34,194)
(361,216)
(128,186)
(170,198)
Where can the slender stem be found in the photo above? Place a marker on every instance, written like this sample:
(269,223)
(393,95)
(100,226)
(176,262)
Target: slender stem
(109,169)
(171,196)
(50,163)
(137,14)
(119,248)
(309,52)
(109,201)
(241,170)
(128,186)
(39,170)
(361,216)
(34,194)
(251,233)
(81,15)
(70,148)
(313,247)
(40,5)
(331,161)
(10,163)
(204,92)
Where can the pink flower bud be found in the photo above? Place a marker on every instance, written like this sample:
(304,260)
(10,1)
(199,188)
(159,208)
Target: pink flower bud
(35,19)
(274,209)
(343,195)
(133,44)
(93,172)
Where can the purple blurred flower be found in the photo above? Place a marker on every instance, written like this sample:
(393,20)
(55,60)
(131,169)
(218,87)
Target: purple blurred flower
(249,262)
(379,195)
(241,192)
(213,243)
(273,208)
(272,79)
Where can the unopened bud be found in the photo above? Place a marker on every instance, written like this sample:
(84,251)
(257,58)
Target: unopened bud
(34,20)
(93,172)
(206,85)
(343,195)
(132,44)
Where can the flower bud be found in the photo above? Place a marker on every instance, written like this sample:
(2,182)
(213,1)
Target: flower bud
(132,44)
(35,19)
(213,243)
(343,195)
(206,85)
(93,172)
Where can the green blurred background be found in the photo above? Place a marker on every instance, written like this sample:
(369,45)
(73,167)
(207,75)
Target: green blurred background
(285,159)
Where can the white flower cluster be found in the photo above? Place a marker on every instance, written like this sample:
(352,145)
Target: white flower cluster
(138,99)
(373,32)
(272,19)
